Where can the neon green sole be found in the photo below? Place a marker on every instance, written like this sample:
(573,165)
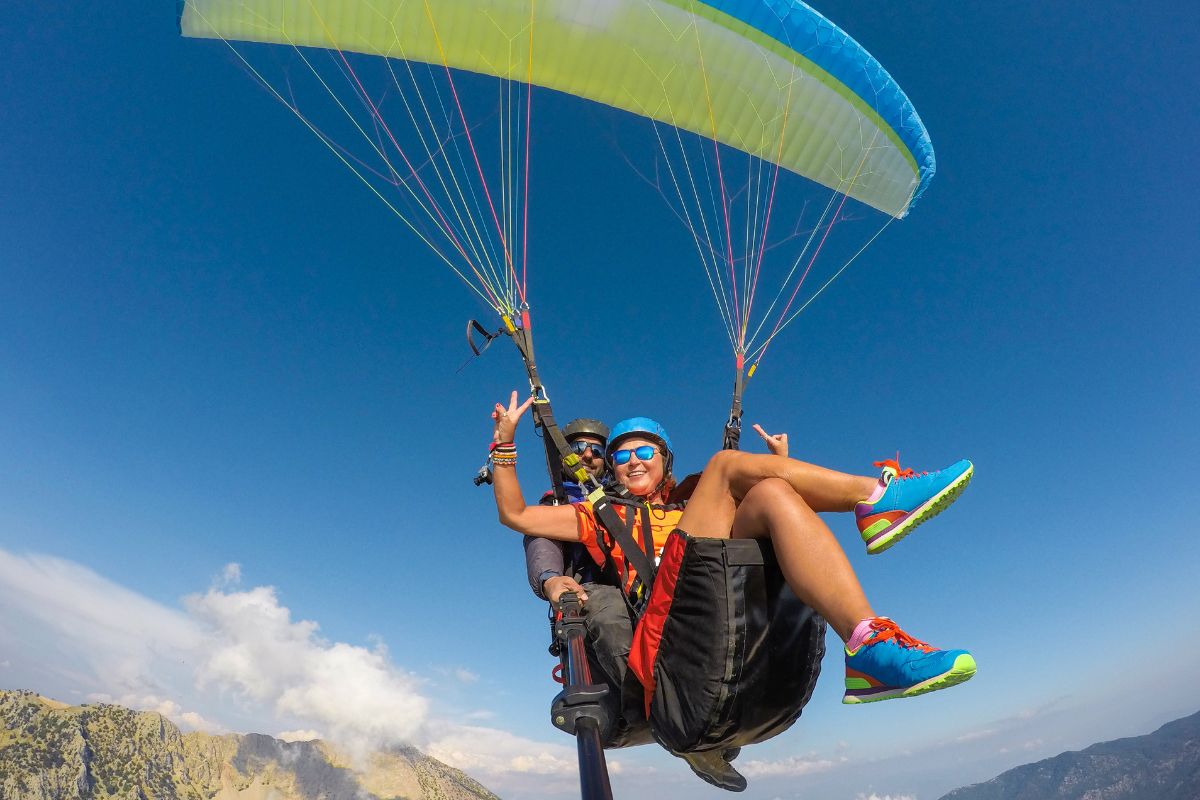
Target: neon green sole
(940,502)
(962,671)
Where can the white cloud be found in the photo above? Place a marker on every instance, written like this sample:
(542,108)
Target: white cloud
(479,715)
(298,736)
(190,720)
(789,767)
(971,736)
(354,693)
(231,575)
(101,637)
(509,764)
(1009,730)
(874,796)
(100,631)
(480,750)
(187,720)
(465,675)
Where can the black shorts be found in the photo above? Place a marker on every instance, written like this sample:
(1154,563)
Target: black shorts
(726,653)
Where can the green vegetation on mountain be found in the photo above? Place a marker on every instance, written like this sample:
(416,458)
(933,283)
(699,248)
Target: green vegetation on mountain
(52,751)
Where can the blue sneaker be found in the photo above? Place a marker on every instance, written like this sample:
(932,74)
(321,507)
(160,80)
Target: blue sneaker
(890,663)
(908,500)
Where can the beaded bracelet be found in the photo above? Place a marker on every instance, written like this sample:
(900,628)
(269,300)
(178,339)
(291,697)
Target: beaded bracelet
(504,454)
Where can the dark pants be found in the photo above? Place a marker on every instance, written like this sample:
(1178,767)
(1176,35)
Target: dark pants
(609,626)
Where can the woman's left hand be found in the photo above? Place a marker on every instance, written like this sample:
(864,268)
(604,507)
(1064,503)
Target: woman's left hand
(776,442)
(506,419)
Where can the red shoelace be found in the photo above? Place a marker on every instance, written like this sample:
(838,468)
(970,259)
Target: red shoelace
(886,629)
(894,464)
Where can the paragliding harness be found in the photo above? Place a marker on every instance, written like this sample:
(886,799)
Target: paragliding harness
(726,653)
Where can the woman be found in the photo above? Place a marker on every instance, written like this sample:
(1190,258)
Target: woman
(744,495)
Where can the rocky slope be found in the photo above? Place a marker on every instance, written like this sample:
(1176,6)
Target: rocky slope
(1164,765)
(52,751)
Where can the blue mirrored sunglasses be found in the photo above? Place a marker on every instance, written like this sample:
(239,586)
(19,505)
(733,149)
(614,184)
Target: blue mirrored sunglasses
(579,448)
(644,453)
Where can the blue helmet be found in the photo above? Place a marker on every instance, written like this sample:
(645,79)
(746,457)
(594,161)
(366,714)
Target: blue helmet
(646,428)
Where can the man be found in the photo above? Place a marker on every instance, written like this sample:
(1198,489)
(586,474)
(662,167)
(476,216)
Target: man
(546,561)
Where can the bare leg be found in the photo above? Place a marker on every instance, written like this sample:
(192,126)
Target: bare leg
(730,475)
(813,563)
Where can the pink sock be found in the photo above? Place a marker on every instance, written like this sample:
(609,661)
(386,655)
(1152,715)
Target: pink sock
(861,631)
(880,488)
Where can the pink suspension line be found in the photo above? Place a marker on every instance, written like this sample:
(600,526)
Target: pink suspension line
(446,227)
(762,249)
(474,153)
(728,233)
(720,176)
(528,138)
(837,215)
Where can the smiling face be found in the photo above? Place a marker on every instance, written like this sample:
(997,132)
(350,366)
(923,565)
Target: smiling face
(640,477)
(592,457)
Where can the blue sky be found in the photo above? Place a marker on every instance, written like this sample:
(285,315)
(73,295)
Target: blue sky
(217,348)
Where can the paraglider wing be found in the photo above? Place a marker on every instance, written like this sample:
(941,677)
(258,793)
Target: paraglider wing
(772,78)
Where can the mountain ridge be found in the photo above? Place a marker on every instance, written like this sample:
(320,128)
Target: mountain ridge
(1163,765)
(54,751)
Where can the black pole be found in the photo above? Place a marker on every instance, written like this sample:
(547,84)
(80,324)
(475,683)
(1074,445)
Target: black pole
(577,708)
(593,769)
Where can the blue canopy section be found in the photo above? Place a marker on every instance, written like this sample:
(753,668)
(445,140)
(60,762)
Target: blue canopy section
(804,30)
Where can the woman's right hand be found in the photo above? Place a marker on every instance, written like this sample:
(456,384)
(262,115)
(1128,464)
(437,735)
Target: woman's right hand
(506,419)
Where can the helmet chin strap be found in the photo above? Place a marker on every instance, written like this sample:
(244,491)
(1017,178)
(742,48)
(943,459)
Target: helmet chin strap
(659,489)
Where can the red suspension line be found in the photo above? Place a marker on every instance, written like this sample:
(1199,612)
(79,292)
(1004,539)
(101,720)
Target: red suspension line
(528,137)
(837,215)
(770,206)
(474,153)
(720,174)
(446,227)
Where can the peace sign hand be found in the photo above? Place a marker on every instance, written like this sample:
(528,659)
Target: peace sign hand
(506,419)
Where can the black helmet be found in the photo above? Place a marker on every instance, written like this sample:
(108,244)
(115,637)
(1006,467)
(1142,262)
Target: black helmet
(586,427)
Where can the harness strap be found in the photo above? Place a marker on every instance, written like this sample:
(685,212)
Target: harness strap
(543,418)
(640,556)
(733,428)
(647,536)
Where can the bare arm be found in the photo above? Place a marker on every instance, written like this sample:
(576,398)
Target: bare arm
(548,522)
